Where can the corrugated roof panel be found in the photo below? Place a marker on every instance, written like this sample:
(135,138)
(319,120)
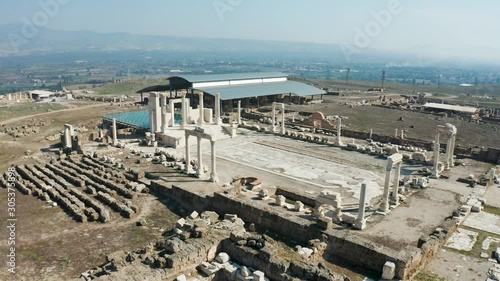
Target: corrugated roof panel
(230,76)
(467,109)
(264,89)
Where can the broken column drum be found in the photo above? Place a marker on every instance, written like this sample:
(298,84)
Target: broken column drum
(282,107)
(115,134)
(201,109)
(360,222)
(338,141)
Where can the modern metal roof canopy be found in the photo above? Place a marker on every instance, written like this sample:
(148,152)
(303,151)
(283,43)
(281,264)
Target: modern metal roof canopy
(238,85)
(264,89)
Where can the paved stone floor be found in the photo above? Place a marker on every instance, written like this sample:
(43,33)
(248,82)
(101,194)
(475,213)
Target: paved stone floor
(484,221)
(462,239)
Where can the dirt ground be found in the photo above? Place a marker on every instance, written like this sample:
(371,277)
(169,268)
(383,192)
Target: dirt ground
(49,244)
(12,150)
(384,121)
(52,246)
(454,266)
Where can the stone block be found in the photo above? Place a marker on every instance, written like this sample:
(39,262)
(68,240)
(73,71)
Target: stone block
(348,218)
(258,276)
(299,206)
(305,252)
(212,216)
(180,223)
(388,271)
(222,258)
(476,208)
(230,268)
(324,223)
(207,268)
(193,215)
(230,217)
(280,200)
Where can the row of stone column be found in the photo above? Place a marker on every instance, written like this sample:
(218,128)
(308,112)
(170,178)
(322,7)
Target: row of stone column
(200,172)
(393,161)
(159,121)
(450,148)
(19,96)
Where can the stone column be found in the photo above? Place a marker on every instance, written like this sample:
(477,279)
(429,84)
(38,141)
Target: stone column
(239,112)
(115,137)
(371,133)
(218,120)
(163,105)
(67,135)
(452,151)
(199,173)
(151,122)
(396,133)
(282,119)
(213,174)
(273,116)
(9,97)
(384,206)
(395,184)
(402,134)
(201,109)
(172,113)
(435,171)
(360,222)
(338,141)
(187,168)
(448,151)
(157,113)
(183,111)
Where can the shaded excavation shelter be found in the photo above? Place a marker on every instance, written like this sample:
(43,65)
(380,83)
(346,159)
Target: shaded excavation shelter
(251,89)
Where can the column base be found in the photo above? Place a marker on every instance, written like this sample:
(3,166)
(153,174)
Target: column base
(359,224)
(199,174)
(218,121)
(337,218)
(214,177)
(394,202)
(187,170)
(384,207)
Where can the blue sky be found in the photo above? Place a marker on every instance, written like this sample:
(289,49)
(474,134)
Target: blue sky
(440,27)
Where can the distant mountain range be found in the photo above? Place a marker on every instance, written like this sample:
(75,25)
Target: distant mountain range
(13,41)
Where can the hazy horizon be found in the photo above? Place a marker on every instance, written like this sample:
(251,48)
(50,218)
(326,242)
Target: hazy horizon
(433,28)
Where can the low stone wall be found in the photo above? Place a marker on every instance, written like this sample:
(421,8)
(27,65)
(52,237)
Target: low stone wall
(343,244)
(409,261)
(268,261)
(294,195)
(267,218)
(491,155)
(185,198)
